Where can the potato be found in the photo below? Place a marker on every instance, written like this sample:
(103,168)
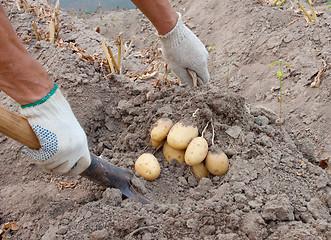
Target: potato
(147,166)
(181,134)
(196,151)
(171,153)
(160,129)
(155,144)
(217,162)
(200,170)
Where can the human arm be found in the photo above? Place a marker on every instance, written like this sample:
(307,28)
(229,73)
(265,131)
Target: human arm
(21,76)
(182,49)
(63,141)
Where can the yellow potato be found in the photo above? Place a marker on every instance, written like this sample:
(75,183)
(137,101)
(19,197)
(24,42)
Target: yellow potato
(155,144)
(181,134)
(217,162)
(147,166)
(160,129)
(196,151)
(171,153)
(200,170)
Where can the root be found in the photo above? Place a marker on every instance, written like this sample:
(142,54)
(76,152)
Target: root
(213,131)
(213,136)
(195,113)
(203,131)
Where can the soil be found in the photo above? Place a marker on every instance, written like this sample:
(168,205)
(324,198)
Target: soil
(274,188)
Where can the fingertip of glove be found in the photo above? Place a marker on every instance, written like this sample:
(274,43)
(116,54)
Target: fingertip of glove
(80,166)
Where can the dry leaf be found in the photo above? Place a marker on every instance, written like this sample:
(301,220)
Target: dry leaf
(148,75)
(60,184)
(324,164)
(6,227)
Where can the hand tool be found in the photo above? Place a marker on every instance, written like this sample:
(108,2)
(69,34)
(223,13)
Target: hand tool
(99,171)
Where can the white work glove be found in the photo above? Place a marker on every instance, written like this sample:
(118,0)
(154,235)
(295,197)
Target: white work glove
(184,51)
(64,148)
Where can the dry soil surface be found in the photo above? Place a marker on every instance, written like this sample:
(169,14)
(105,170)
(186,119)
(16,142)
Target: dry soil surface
(274,189)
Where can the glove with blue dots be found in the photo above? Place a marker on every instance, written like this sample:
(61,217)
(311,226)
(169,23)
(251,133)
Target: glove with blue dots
(64,148)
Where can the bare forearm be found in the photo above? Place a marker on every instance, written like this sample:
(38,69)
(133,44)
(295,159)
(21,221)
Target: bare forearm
(159,12)
(21,76)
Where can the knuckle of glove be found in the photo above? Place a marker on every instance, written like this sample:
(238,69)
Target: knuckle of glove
(58,152)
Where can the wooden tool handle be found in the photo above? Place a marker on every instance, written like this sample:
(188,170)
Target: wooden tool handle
(17,128)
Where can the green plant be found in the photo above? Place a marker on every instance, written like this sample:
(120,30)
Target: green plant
(211,47)
(282,3)
(228,75)
(279,75)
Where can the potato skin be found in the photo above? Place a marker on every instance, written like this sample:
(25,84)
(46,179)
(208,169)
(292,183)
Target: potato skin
(160,129)
(181,134)
(217,162)
(200,170)
(155,144)
(171,153)
(148,166)
(196,151)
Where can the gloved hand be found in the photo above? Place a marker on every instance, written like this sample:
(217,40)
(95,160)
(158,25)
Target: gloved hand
(184,51)
(64,148)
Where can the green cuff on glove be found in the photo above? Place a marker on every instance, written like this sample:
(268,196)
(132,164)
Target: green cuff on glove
(44,99)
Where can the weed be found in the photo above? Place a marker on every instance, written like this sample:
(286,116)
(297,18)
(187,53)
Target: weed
(211,48)
(228,76)
(282,2)
(212,52)
(279,75)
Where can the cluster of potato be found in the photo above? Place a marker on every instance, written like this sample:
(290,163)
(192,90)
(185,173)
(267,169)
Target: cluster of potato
(182,144)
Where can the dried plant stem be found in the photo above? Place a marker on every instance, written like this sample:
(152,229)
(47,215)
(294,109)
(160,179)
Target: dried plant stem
(52,31)
(36,32)
(260,2)
(113,59)
(108,57)
(25,6)
(119,55)
(129,48)
(57,7)
(312,9)
(304,11)
(17,3)
(317,79)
